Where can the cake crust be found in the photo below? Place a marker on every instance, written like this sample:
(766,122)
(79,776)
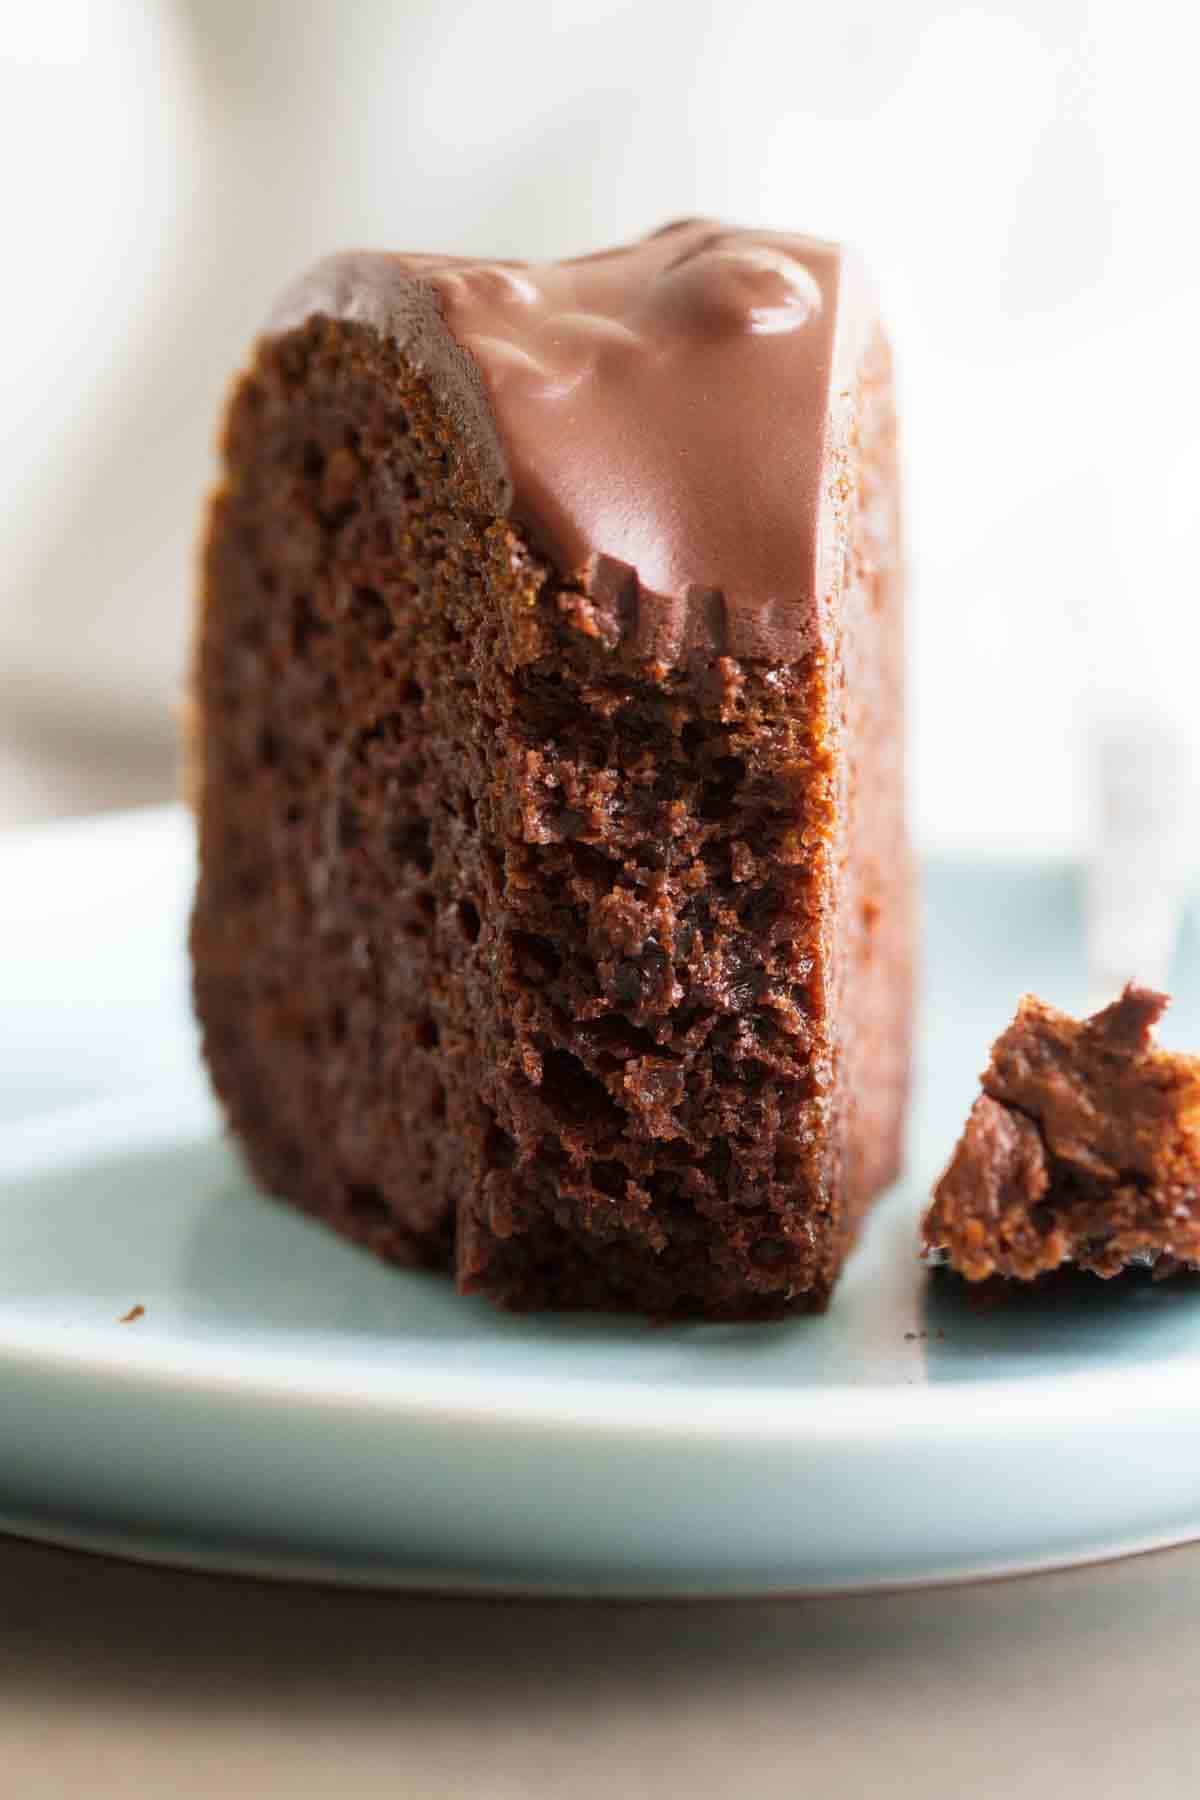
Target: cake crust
(539,935)
(1083,1147)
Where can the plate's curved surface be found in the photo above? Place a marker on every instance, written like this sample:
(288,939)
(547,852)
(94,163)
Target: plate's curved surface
(281,1403)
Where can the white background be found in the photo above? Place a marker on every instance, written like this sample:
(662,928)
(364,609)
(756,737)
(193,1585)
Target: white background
(1021,179)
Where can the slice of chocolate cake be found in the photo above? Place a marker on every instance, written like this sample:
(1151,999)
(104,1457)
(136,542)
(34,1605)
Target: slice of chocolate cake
(1084,1147)
(554,921)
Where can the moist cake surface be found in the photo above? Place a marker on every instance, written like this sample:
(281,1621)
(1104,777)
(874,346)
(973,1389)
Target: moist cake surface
(554,920)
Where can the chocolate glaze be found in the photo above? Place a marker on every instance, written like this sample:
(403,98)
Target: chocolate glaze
(666,422)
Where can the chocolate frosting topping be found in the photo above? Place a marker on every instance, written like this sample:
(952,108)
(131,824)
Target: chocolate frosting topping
(666,422)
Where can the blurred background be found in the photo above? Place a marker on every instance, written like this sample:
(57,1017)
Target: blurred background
(1020,177)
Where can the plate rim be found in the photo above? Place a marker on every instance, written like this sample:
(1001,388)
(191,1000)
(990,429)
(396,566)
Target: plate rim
(830,1413)
(317,1571)
(770,1432)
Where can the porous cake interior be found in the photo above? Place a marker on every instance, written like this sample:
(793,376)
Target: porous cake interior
(1083,1147)
(512,954)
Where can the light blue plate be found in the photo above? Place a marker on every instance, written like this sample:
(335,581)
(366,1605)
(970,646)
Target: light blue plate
(287,1406)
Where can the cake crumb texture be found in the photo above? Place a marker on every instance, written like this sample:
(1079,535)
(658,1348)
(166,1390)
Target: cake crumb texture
(519,952)
(1083,1147)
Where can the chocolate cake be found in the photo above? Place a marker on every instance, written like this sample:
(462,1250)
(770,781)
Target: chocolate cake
(1083,1147)
(554,920)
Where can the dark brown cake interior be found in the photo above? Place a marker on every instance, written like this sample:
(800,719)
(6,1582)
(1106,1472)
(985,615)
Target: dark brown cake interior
(508,947)
(1083,1147)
